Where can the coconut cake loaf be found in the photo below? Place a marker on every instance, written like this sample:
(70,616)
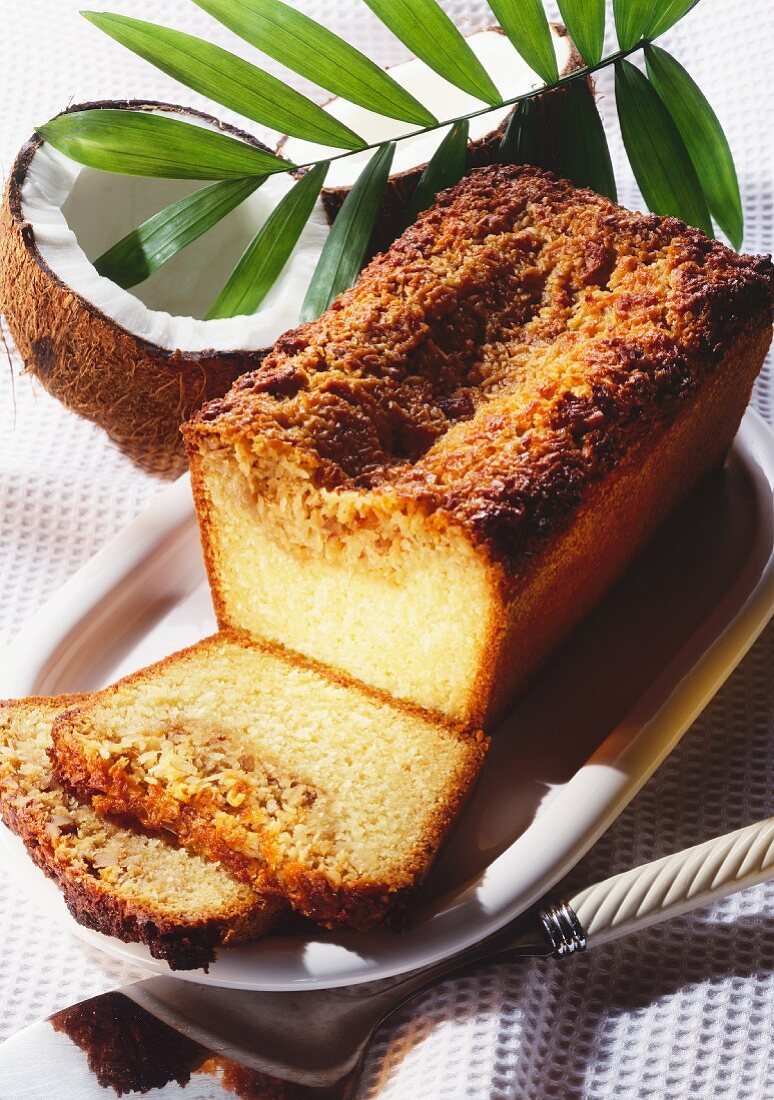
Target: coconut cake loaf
(303,785)
(116,879)
(433,483)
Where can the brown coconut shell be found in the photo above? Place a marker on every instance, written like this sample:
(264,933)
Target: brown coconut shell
(138,392)
(390,221)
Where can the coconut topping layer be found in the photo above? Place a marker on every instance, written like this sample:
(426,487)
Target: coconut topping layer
(498,358)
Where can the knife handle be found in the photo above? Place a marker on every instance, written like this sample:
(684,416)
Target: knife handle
(675,884)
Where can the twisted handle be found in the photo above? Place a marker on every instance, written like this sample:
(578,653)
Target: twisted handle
(675,884)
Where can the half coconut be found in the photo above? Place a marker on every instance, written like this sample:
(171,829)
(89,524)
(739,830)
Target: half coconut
(137,362)
(513,77)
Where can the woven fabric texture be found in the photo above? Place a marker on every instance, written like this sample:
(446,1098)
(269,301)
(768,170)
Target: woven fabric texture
(684,1010)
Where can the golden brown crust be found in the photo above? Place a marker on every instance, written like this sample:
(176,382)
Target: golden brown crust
(184,943)
(501,357)
(189,947)
(538,610)
(359,904)
(138,392)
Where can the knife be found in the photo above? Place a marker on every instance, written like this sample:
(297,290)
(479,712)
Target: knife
(176,1038)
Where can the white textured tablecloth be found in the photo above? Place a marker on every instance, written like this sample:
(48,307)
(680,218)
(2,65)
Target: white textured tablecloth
(684,1010)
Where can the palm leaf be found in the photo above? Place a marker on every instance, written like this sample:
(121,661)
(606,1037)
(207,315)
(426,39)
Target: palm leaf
(518,145)
(262,262)
(704,139)
(445,168)
(584,156)
(585,21)
(146,248)
(429,33)
(137,143)
(670,138)
(656,151)
(312,51)
(669,12)
(526,24)
(345,249)
(227,79)
(633,18)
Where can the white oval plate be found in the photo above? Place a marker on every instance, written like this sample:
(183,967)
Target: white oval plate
(575,750)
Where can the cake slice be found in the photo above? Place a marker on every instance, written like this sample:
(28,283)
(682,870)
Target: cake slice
(429,486)
(115,878)
(304,785)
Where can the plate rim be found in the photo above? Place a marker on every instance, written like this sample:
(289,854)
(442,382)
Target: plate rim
(600,789)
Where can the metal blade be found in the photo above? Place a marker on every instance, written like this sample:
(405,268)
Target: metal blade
(181,1039)
(113,1045)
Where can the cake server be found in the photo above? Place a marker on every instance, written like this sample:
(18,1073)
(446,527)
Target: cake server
(161,1034)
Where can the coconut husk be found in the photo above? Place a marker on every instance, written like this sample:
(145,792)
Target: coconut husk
(138,392)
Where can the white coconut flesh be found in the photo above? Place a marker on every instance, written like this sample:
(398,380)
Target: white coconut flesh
(509,71)
(77,213)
